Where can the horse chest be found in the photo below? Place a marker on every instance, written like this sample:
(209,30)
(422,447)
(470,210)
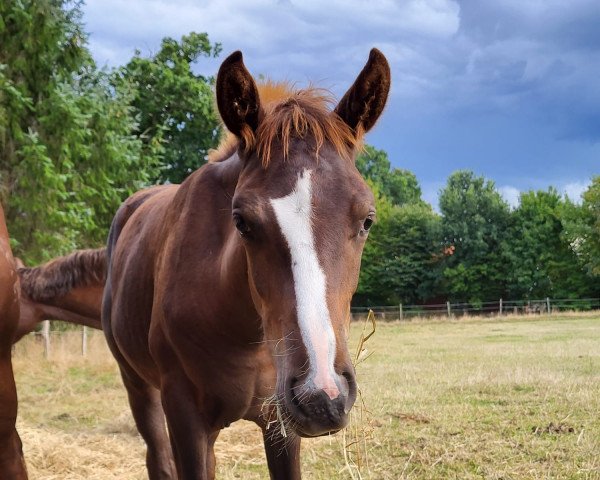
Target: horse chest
(219,365)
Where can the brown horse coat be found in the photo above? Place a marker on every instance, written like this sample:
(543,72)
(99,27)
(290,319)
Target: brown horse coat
(228,297)
(67,288)
(12,464)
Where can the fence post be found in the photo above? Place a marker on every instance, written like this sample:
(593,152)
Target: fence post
(400,312)
(84,341)
(448,307)
(548,305)
(500,310)
(46,337)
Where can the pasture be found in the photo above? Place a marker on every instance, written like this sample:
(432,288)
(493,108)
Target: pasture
(510,398)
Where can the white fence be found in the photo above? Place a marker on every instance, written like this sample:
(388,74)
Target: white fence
(408,312)
(499,307)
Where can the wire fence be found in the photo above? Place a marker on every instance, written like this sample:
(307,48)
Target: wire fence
(409,312)
(500,307)
(46,335)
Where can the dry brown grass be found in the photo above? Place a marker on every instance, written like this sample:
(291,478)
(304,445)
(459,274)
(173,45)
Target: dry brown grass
(513,398)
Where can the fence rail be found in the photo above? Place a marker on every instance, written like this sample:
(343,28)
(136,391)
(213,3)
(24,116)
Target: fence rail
(46,334)
(499,307)
(407,312)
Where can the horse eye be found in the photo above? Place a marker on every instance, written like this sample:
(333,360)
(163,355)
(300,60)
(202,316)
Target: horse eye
(241,224)
(367,224)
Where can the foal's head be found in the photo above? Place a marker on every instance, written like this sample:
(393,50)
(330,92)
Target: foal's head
(303,213)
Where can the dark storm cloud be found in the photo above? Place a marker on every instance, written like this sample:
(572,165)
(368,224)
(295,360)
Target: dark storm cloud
(538,59)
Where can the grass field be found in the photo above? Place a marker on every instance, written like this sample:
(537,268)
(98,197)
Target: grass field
(512,398)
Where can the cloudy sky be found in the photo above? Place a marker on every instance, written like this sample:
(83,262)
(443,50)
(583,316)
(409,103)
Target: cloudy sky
(506,88)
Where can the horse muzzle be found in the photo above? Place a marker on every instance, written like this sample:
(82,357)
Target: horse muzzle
(316,411)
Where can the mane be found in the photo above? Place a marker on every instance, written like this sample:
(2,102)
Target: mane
(288,114)
(57,277)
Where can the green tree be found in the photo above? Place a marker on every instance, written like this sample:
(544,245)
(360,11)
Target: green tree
(400,186)
(400,262)
(174,105)
(474,223)
(67,155)
(402,254)
(541,258)
(582,228)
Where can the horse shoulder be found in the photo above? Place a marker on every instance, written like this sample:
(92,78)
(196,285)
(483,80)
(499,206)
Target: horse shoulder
(198,231)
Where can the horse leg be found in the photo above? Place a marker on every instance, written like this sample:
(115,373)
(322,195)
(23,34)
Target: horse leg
(283,454)
(150,421)
(12,463)
(190,437)
(145,404)
(211,462)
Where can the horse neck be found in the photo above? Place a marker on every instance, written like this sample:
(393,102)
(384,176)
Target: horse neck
(50,312)
(83,301)
(8,291)
(3,229)
(80,306)
(241,317)
(4,241)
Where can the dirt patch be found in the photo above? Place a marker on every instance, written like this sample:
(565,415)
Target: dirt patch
(411,417)
(553,428)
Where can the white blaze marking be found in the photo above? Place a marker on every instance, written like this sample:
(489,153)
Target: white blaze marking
(293,213)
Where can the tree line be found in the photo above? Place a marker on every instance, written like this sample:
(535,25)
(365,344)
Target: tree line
(477,248)
(76,140)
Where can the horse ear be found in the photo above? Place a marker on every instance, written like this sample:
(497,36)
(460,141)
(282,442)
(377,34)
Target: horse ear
(237,95)
(362,104)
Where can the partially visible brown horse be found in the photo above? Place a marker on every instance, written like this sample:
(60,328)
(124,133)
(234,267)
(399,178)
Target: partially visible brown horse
(228,297)
(12,464)
(67,288)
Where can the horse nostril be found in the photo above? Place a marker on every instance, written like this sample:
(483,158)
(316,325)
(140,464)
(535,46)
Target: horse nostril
(350,380)
(350,389)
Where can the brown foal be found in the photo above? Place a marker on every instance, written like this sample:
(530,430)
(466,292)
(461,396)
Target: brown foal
(228,297)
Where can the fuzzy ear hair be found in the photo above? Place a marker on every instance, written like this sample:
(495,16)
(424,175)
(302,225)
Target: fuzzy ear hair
(363,103)
(237,95)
